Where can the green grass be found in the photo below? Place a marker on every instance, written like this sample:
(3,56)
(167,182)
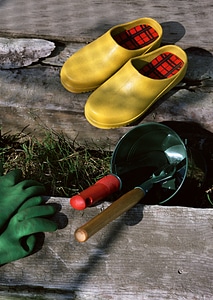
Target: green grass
(63,166)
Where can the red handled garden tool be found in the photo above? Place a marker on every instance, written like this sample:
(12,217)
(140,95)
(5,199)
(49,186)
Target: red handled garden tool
(138,154)
(123,177)
(124,203)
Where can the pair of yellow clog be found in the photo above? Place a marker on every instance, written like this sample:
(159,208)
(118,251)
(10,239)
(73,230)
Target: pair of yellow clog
(127,70)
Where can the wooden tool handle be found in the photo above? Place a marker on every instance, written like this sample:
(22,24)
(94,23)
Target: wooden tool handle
(116,209)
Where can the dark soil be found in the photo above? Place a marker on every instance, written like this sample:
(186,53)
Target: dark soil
(200,141)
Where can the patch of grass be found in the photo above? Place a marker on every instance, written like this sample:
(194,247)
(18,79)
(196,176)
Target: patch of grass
(64,167)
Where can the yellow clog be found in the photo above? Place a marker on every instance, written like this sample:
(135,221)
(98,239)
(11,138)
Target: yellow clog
(126,96)
(89,67)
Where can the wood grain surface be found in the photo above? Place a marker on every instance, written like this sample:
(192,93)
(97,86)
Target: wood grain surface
(34,96)
(151,252)
(189,23)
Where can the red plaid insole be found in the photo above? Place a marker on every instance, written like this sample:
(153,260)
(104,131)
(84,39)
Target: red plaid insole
(163,66)
(136,37)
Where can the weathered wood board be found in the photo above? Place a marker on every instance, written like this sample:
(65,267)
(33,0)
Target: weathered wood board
(151,252)
(34,96)
(189,23)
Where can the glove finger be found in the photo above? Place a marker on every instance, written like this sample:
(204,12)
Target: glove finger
(18,201)
(36,225)
(16,250)
(34,201)
(34,212)
(19,198)
(29,182)
(31,190)
(30,244)
(27,243)
(13,177)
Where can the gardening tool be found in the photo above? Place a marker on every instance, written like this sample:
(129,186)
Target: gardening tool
(112,183)
(138,154)
(124,203)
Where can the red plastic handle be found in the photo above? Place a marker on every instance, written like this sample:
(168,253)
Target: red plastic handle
(101,189)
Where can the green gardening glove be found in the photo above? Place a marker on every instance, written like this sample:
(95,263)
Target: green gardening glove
(19,239)
(14,192)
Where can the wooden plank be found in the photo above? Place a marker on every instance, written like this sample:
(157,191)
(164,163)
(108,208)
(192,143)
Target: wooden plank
(186,23)
(151,252)
(34,96)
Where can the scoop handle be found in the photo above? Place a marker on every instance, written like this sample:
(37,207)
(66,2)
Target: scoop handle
(104,187)
(117,208)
